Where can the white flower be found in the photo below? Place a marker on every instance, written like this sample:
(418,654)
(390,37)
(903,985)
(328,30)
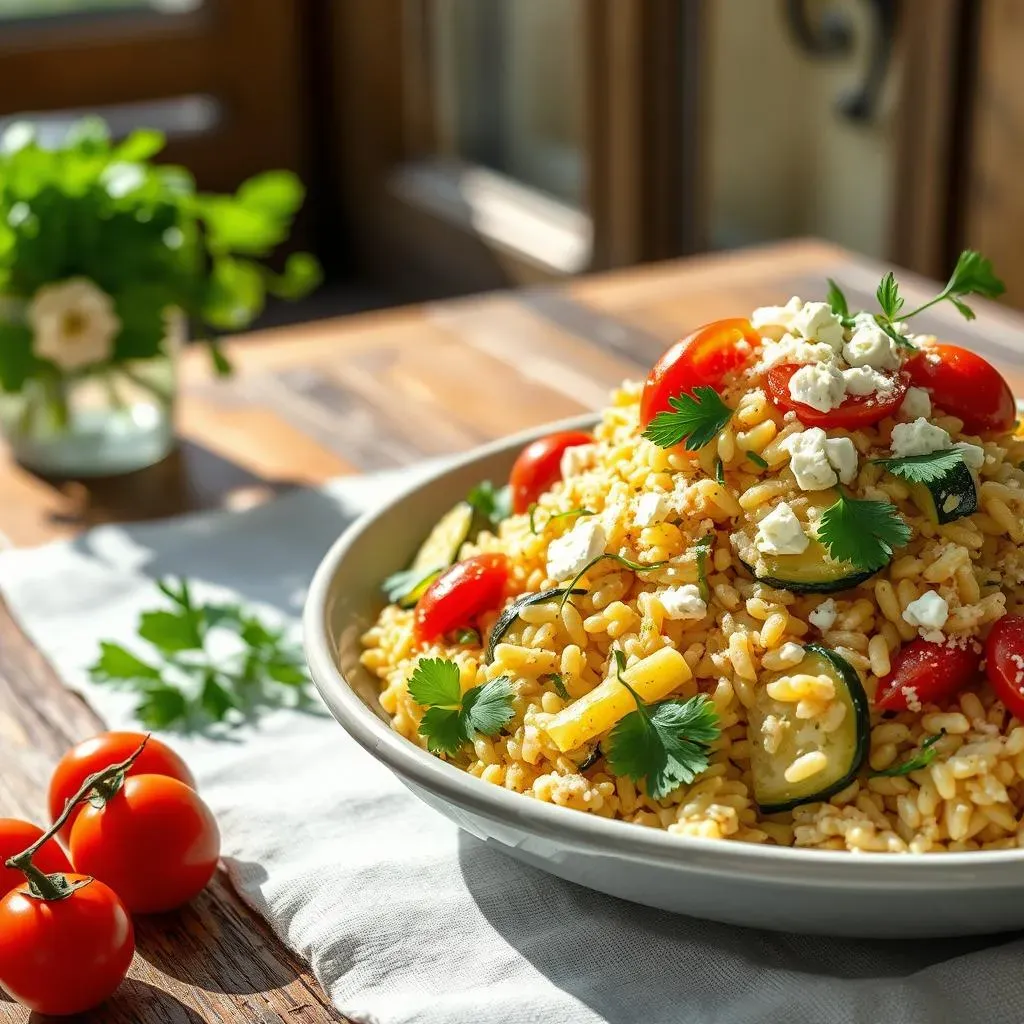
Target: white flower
(73,323)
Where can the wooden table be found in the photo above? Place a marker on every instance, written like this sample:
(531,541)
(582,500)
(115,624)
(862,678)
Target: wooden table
(352,395)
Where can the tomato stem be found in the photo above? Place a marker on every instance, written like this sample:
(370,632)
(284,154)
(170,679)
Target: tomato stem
(104,783)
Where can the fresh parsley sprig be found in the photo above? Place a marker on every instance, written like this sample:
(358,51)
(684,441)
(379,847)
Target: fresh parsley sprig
(972,275)
(923,469)
(665,745)
(532,512)
(635,566)
(454,718)
(184,684)
(921,758)
(862,532)
(695,420)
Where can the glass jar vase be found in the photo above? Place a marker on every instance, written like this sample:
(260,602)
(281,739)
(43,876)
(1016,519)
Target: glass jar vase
(97,423)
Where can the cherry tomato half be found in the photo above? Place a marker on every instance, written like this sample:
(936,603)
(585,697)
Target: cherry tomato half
(703,357)
(99,752)
(154,842)
(856,410)
(1004,662)
(455,599)
(965,385)
(539,465)
(931,672)
(64,956)
(16,836)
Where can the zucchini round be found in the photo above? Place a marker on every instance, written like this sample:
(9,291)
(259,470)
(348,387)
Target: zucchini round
(952,497)
(812,572)
(436,553)
(510,615)
(845,748)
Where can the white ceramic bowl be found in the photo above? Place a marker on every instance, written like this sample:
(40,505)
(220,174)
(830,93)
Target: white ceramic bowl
(865,894)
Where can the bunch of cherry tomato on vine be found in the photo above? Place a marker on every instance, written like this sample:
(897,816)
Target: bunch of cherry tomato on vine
(130,835)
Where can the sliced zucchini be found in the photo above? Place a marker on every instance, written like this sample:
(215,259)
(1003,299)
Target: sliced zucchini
(510,615)
(812,572)
(845,748)
(952,497)
(436,553)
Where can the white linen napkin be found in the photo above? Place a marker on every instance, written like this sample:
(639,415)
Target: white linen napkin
(403,917)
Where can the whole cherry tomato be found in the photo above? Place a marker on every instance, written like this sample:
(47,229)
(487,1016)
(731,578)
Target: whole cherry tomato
(856,410)
(16,836)
(1004,662)
(99,752)
(154,842)
(966,386)
(458,596)
(539,465)
(928,672)
(64,956)
(703,357)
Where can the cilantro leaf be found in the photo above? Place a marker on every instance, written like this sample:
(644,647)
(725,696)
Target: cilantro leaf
(837,300)
(115,663)
(862,532)
(696,420)
(895,335)
(921,758)
(889,298)
(972,275)
(177,690)
(488,709)
(556,680)
(435,682)
(490,503)
(923,469)
(453,718)
(665,745)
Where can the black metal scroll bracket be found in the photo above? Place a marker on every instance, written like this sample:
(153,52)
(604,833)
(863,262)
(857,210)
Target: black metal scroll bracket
(832,36)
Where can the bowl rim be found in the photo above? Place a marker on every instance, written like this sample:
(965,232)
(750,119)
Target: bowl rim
(575,828)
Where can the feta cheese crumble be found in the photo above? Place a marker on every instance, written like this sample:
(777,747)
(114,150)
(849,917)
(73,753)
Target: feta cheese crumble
(651,508)
(863,380)
(824,616)
(576,459)
(780,532)
(816,322)
(683,602)
(763,316)
(819,385)
(571,552)
(974,454)
(818,461)
(870,346)
(916,403)
(918,438)
(929,611)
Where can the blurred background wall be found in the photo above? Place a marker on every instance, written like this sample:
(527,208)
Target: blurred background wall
(457,145)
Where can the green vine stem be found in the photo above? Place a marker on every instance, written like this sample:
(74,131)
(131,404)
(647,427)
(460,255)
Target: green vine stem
(103,784)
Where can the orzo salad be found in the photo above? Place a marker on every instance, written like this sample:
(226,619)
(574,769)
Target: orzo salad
(776,595)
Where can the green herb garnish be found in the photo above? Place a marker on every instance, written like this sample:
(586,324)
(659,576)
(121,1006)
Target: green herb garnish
(454,718)
(861,532)
(635,566)
(756,459)
(492,504)
(719,470)
(666,745)
(405,581)
(837,302)
(556,680)
(703,549)
(923,469)
(923,757)
(556,515)
(182,684)
(695,420)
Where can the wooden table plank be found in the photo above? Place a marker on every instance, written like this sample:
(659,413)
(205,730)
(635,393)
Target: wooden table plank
(311,402)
